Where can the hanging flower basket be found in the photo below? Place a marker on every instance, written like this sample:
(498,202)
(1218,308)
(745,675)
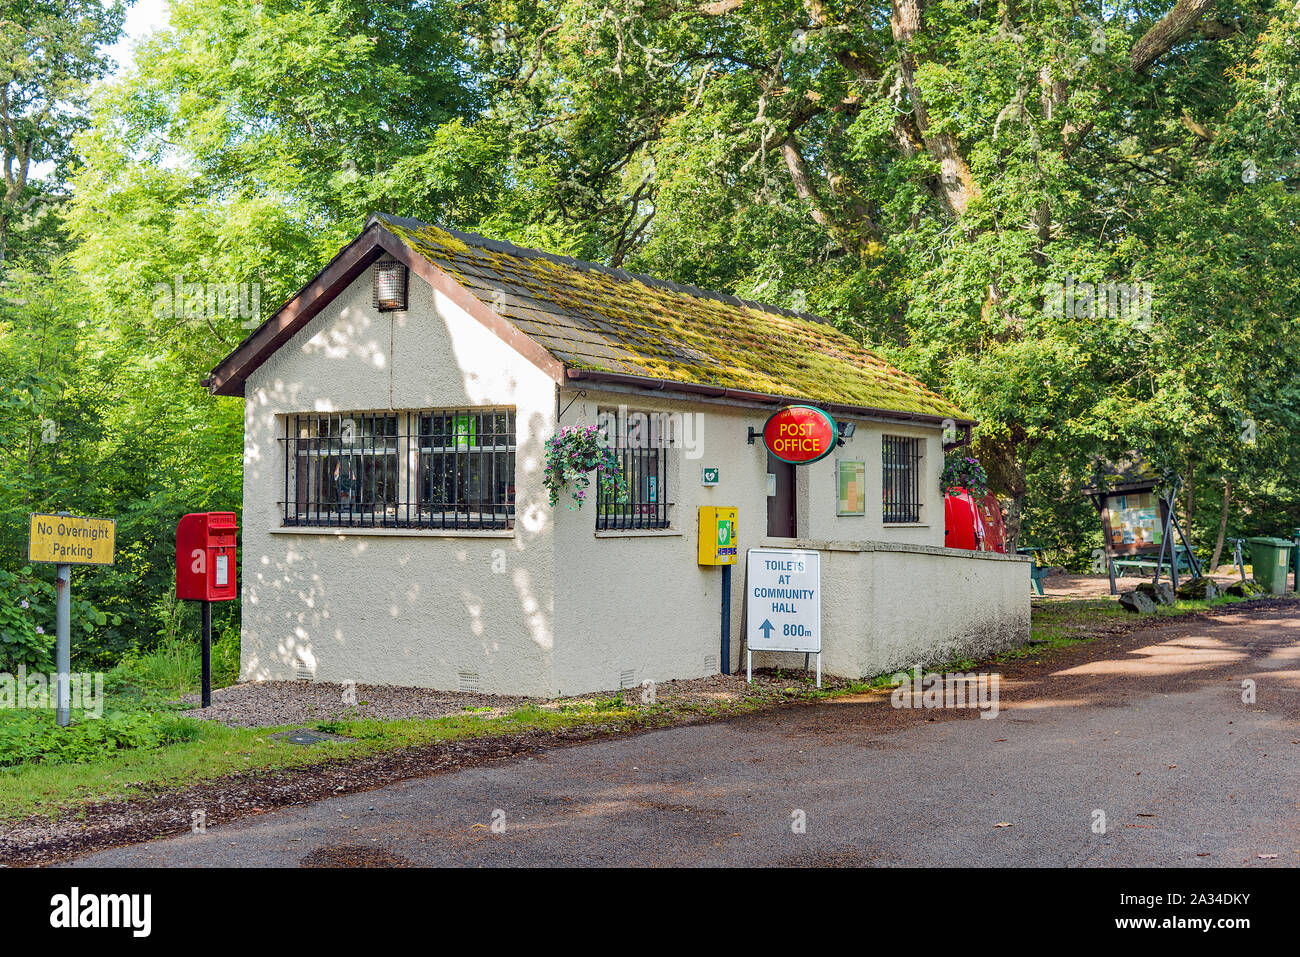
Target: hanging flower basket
(963,472)
(572,455)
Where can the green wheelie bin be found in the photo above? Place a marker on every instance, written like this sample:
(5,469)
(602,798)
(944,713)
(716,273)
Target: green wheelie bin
(1270,560)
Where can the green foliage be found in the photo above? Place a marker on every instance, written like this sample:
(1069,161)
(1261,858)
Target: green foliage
(22,640)
(572,455)
(27,620)
(31,736)
(170,669)
(225,659)
(173,667)
(49,51)
(961,471)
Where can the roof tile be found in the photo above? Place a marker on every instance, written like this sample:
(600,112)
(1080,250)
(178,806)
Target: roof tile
(593,317)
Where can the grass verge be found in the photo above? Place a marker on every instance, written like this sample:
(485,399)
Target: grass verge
(215,751)
(218,751)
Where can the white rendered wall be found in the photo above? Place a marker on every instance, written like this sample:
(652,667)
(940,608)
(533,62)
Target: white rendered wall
(397,607)
(553,607)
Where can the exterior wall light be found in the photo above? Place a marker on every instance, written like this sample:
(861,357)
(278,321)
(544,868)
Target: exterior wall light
(846,432)
(390,286)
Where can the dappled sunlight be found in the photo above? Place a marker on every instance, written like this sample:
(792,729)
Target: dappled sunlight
(1039,704)
(865,697)
(345,339)
(628,797)
(539,623)
(1170,657)
(1287,655)
(1288,679)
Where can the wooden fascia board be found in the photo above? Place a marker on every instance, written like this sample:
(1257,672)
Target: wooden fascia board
(229,375)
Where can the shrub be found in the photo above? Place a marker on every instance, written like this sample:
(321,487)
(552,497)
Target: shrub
(27,616)
(171,669)
(225,659)
(33,737)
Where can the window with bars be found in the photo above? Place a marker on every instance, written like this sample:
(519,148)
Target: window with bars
(644,461)
(901,481)
(429,469)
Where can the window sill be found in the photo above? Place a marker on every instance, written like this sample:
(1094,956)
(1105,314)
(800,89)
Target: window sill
(640,533)
(346,532)
(906,524)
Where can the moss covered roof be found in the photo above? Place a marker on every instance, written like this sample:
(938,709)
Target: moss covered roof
(592,317)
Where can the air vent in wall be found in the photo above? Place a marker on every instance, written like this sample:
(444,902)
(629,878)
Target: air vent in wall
(627,679)
(468,681)
(302,670)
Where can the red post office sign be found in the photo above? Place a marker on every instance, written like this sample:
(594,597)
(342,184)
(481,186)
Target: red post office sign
(800,434)
(205,557)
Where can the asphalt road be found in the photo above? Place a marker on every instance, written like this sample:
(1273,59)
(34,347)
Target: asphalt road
(1151,730)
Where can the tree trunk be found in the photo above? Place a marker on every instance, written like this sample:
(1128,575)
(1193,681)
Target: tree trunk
(957,185)
(1018,490)
(1223,525)
(1165,34)
(1011,522)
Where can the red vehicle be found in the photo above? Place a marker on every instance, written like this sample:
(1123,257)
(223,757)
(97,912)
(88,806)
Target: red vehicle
(971,524)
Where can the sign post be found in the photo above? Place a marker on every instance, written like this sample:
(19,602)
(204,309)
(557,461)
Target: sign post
(64,540)
(207,654)
(63,641)
(783,603)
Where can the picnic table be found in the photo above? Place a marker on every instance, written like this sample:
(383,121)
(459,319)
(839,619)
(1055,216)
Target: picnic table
(1147,563)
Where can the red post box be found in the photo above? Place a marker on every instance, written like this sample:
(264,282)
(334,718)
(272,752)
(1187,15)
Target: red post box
(205,557)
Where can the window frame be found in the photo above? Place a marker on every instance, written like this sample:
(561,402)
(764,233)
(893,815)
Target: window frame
(900,472)
(654,463)
(478,503)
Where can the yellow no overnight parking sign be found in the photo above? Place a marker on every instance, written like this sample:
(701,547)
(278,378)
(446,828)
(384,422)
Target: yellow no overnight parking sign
(71,540)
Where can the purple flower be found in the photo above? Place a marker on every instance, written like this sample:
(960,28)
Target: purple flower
(24,604)
(40,630)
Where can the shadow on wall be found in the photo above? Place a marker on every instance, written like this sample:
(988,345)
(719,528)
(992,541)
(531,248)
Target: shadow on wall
(417,606)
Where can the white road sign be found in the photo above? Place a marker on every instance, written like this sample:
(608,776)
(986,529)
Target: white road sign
(783,610)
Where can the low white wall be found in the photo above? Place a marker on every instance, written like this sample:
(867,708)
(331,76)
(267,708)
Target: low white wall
(887,606)
(638,604)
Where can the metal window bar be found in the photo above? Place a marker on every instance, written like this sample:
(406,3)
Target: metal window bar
(443,469)
(646,505)
(901,479)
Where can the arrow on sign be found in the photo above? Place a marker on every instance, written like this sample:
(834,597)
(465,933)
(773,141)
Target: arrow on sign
(767,628)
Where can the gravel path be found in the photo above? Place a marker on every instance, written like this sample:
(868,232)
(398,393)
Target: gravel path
(275,703)
(1098,586)
(262,704)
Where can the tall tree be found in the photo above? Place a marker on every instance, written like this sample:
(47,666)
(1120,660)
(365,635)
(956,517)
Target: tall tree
(50,53)
(936,175)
